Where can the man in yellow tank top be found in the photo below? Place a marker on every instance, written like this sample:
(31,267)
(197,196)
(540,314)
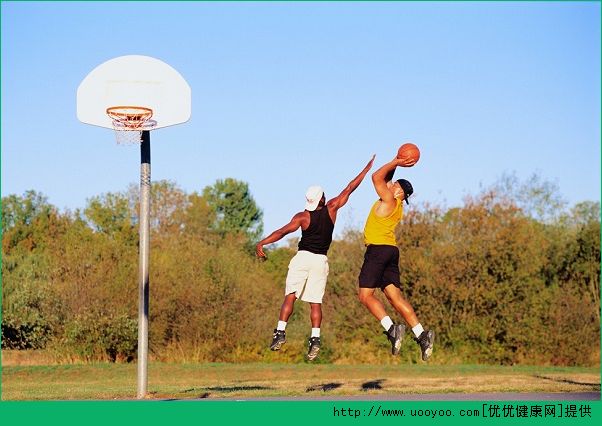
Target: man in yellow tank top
(381,260)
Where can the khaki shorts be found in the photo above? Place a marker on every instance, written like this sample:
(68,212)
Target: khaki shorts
(307,273)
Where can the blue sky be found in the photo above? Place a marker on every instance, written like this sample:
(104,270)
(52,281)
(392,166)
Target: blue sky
(287,95)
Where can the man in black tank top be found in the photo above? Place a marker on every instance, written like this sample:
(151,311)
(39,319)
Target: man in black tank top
(308,269)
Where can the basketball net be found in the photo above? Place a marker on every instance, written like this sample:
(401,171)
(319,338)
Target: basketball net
(129,122)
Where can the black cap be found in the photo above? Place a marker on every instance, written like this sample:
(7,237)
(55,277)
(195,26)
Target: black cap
(407,188)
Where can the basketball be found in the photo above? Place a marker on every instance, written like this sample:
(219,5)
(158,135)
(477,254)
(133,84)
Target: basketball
(409,151)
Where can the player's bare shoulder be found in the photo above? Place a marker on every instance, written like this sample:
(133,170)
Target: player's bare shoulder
(384,208)
(302,218)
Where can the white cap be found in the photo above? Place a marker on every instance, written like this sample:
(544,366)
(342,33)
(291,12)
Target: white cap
(313,195)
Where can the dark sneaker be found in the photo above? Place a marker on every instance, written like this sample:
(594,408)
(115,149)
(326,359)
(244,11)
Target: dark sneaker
(278,340)
(314,348)
(426,340)
(395,334)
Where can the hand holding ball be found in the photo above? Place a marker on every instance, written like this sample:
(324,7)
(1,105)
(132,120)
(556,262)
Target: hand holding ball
(408,151)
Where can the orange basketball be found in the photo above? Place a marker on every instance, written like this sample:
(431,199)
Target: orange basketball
(409,151)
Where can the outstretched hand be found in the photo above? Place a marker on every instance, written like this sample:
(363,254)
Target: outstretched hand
(259,252)
(371,162)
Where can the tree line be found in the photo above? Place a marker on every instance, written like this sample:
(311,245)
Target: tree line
(510,277)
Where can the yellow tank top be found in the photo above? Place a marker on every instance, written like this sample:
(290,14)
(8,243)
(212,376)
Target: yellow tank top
(381,230)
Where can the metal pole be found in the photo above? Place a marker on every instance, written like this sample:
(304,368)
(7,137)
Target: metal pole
(143,288)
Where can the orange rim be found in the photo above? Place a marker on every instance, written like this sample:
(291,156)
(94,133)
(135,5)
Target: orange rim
(130,116)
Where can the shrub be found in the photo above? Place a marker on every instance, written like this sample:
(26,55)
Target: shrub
(97,337)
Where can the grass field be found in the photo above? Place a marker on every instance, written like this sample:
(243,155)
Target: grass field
(194,381)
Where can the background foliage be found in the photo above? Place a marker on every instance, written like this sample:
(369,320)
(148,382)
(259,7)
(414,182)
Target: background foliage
(510,277)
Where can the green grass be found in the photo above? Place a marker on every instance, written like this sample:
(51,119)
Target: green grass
(193,381)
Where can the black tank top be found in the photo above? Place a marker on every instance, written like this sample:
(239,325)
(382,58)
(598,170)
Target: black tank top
(318,235)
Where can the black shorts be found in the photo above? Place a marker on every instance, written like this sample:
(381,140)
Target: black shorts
(380,268)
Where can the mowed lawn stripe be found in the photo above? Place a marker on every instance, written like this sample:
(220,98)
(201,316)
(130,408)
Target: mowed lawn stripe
(216,380)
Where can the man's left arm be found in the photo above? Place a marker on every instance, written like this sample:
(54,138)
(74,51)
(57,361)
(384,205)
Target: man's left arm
(341,199)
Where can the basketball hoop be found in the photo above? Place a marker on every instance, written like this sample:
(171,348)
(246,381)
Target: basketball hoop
(129,122)
(164,99)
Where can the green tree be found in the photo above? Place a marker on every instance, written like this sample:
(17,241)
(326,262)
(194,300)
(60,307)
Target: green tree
(30,228)
(110,214)
(167,204)
(23,210)
(28,314)
(234,207)
(25,220)
(197,218)
(581,268)
(500,280)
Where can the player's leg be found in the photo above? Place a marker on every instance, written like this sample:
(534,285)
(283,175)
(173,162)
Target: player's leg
(370,278)
(367,298)
(393,293)
(295,282)
(313,294)
(425,338)
(314,340)
(400,304)
(315,315)
(286,310)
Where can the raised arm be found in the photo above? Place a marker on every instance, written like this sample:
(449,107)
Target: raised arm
(292,226)
(341,199)
(385,174)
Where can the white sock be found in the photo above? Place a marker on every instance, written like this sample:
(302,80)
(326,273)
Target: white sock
(281,325)
(417,329)
(386,323)
(315,332)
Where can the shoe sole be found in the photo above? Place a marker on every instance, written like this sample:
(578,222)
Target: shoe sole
(429,351)
(397,347)
(313,354)
(277,346)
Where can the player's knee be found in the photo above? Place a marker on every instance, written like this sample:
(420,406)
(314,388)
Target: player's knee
(364,298)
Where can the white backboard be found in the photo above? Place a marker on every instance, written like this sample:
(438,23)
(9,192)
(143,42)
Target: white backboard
(134,80)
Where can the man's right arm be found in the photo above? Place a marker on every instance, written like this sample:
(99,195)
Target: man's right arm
(278,234)
(384,175)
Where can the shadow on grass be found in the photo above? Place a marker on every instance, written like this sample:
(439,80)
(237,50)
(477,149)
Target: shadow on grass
(202,392)
(374,384)
(228,389)
(325,387)
(595,386)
